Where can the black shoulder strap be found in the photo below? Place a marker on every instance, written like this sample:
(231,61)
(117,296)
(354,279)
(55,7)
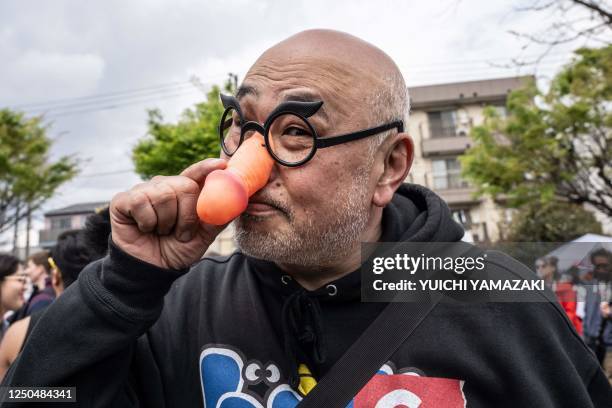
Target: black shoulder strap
(368,354)
(374,348)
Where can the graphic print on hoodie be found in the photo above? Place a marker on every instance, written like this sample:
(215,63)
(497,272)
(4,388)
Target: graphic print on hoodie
(226,377)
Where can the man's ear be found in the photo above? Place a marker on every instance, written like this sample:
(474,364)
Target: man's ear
(398,160)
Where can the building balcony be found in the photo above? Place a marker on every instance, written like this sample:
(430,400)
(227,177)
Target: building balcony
(458,196)
(445,145)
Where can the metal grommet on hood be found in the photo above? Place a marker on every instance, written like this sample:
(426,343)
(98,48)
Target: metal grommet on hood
(332,290)
(285,279)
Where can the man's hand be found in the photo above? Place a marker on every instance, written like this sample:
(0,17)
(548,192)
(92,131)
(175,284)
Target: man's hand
(157,221)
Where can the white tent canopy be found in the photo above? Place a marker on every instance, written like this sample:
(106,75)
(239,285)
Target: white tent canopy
(576,252)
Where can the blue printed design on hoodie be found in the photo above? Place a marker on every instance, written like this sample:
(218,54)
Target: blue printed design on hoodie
(225,381)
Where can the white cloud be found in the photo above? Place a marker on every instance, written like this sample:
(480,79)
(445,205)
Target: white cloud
(35,74)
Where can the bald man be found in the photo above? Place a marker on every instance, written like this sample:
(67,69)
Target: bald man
(154,325)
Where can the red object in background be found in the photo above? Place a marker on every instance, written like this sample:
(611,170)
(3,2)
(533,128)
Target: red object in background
(409,391)
(567,299)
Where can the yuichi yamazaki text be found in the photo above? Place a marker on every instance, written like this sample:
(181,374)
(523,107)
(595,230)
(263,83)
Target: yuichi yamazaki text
(460,285)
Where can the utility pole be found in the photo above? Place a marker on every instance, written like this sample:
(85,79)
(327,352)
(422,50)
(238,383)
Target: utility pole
(28,225)
(195,81)
(233,78)
(16,227)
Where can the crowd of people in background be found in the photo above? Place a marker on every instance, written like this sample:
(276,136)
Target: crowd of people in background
(25,292)
(586,297)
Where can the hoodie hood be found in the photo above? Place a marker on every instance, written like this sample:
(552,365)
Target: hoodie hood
(417,214)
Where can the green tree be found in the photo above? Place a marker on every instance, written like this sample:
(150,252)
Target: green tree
(169,148)
(551,222)
(553,146)
(28,178)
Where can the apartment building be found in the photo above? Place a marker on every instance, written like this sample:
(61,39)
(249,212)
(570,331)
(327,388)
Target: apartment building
(441,119)
(64,219)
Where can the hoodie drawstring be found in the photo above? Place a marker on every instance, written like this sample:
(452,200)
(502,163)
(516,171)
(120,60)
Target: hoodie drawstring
(301,325)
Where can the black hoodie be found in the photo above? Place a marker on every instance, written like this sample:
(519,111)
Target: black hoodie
(232,332)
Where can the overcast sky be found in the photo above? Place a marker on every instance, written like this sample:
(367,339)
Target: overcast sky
(143,53)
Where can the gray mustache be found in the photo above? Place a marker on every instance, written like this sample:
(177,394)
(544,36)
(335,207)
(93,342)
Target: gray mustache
(284,208)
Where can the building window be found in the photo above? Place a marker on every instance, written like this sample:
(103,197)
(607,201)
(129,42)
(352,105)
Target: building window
(62,223)
(462,216)
(447,174)
(502,112)
(442,123)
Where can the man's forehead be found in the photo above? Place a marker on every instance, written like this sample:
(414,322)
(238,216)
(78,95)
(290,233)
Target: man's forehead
(314,79)
(288,93)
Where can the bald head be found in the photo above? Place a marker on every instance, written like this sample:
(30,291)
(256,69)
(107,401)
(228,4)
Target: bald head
(359,82)
(327,206)
(333,46)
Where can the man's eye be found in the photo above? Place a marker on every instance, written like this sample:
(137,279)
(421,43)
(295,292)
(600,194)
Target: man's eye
(296,131)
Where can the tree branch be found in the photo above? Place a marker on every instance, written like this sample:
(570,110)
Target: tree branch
(606,15)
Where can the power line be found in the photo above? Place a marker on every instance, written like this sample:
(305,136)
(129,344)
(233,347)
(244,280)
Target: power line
(550,64)
(118,105)
(119,99)
(486,70)
(105,95)
(66,105)
(31,104)
(429,64)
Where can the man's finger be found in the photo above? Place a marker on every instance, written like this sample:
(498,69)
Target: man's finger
(187,192)
(198,171)
(165,202)
(141,211)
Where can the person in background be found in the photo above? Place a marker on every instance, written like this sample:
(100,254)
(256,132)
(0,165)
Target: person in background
(12,287)
(73,251)
(39,271)
(597,324)
(97,231)
(38,294)
(546,268)
(561,284)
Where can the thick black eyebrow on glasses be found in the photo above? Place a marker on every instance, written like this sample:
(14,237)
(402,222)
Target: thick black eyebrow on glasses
(297,96)
(304,96)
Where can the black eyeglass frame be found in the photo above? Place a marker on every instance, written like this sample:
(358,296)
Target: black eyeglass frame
(302,110)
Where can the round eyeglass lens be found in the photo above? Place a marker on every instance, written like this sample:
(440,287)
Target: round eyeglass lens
(291,138)
(230,131)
